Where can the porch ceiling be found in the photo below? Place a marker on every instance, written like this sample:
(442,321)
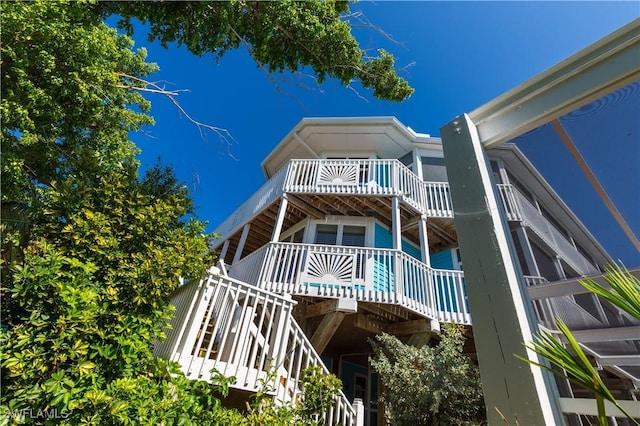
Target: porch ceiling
(440,232)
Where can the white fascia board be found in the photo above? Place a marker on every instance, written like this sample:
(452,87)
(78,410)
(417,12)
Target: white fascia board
(568,287)
(611,334)
(597,70)
(294,135)
(619,360)
(589,407)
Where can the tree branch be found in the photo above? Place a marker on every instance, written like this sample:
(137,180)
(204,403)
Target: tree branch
(153,87)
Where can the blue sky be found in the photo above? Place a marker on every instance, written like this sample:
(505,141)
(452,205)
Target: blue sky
(462,54)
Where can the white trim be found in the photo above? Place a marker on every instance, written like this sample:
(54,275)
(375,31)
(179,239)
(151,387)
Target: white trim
(601,68)
(367,222)
(588,406)
(349,155)
(295,228)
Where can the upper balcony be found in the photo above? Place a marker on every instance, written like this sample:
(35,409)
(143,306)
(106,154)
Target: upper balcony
(321,181)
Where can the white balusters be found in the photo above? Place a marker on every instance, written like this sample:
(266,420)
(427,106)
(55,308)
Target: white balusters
(245,332)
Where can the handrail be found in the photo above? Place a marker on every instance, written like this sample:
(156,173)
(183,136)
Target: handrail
(360,273)
(246,332)
(346,177)
(260,200)
(518,207)
(366,177)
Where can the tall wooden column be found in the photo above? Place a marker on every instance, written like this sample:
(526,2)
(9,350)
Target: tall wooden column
(502,314)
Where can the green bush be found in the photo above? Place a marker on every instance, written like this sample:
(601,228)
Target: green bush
(428,385)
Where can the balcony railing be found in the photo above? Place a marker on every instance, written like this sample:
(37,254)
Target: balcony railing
(360,273)
(245,332)
(517,207)
(366,177)
(345,177)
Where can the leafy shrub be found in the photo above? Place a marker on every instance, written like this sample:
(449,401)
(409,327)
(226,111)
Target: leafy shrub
(428,385)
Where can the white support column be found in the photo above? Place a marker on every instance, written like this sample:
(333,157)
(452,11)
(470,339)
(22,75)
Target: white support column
(397,243)
(502,313)
(424,240)
(417,163)
(241,243)
(225,249)
(527,251)
(284,201)
(358,406)
(395,223)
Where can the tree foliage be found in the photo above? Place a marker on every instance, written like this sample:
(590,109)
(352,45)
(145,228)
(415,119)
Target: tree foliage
(280,35)
(91,251)
(428,385)
(67,106)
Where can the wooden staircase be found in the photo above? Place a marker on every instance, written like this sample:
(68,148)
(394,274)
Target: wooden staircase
(240,330)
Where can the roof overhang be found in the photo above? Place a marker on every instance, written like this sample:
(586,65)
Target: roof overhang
(597,70)
(311,137)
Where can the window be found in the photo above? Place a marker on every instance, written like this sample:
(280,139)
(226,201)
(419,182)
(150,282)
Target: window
(326,234)
(353,236)
(341,235)
(434,170)
(296,237)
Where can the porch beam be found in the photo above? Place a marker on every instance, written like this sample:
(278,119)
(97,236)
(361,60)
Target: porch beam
(589,407)
(306,207)
(611,334)
(328,306)
(391,312)
(503,316)
(368,323)
(569,287)
(409,327)
(326,330)
(418,340)
(617,360)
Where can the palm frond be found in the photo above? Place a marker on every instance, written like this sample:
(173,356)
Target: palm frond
(624,292)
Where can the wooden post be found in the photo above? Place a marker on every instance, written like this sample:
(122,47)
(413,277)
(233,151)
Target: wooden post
(503,317)
(243,239)
(424,240)
(277,228)
(326,330)
(397,244)
(358,406)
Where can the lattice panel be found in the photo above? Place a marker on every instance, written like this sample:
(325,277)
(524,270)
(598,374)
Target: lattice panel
(341,174)
(331,267)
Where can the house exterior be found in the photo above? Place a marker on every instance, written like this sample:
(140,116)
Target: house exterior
(352,235)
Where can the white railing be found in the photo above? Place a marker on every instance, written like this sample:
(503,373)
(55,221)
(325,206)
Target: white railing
(438,199)
(509,201)
(260,200)
(244,332)
(347,177)
(517,207)
(360,273)
(366,177)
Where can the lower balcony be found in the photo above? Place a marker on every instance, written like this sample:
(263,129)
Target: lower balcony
(360,273)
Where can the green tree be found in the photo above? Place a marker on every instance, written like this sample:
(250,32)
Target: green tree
(428,385)
(280,35)
(91,251)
